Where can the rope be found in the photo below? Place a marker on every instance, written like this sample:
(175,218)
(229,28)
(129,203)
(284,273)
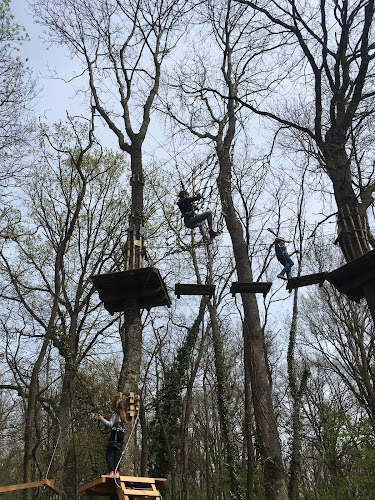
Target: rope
(126,447)
(54,450)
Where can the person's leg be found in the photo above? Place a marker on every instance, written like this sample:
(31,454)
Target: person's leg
(118,450)
(109,456)
(288,266)
(198,219)
(117,457)
(286,261)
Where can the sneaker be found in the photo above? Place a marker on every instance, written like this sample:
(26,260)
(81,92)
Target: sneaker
(213,234)
(282,277)
(112,473)
(117,474)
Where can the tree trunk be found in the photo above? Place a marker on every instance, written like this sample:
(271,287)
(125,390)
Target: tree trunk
(224,406)
(353,238)
(129,375)
(297,392)
(255,357)
(248,430)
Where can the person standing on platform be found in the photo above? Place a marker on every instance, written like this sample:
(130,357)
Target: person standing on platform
(117,424)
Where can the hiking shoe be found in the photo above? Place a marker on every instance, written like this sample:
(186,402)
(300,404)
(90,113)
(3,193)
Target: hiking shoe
(282,277)
(213,234)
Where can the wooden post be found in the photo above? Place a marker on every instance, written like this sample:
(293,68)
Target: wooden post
(133,250)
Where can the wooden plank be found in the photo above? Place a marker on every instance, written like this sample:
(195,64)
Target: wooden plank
(93,483)
(160,482)
(140,493)
(307,280)
(351,277)
(250,287)
(193,289)
(49,483)
(121,492)
(105,485)
(135,479)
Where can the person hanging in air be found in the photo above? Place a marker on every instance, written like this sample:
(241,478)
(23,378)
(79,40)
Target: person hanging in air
(116,423)
(191,219)
(283,257)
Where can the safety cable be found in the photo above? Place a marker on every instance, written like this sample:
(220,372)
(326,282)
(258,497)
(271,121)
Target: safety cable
(54,450)
(125,448)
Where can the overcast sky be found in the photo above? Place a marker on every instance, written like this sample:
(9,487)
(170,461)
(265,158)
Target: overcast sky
(55,96)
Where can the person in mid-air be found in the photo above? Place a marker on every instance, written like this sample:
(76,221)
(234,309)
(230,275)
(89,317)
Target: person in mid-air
(191,219)
(116,423)
(284,257)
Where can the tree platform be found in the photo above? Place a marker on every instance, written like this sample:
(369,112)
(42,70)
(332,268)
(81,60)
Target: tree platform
(193,289)
(45,483)
(309,279)
(144,284)
(126,487)
(250,287)
(351,277)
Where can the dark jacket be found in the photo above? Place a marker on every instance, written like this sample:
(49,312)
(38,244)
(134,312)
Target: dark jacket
(186,207)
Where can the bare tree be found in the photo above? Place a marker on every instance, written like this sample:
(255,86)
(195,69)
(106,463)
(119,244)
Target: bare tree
(121,46)
(72,201)
(331,63)
(213,115)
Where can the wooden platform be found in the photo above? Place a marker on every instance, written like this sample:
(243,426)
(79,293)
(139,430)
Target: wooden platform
(126,487)
(193,289)
(145,284)
(250,287)
(46,483)
(309,279)
(351,277)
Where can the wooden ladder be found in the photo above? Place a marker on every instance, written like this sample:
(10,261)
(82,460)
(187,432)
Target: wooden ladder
(137,487)
(124,487)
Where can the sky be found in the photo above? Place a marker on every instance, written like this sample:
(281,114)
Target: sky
(55,96)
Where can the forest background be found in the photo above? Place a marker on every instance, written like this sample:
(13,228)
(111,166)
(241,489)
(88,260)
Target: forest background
(239,100)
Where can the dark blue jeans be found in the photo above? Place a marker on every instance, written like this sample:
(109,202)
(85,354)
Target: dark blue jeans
(284,258)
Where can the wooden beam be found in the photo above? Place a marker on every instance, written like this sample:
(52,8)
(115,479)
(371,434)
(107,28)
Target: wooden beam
(250,287)
(307,280)
(48,483)
(193,289)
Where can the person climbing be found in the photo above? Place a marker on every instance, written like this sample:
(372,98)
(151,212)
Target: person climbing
(117,424)
(191,219)
(283,257)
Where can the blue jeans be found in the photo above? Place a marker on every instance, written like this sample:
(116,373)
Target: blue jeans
(284,258)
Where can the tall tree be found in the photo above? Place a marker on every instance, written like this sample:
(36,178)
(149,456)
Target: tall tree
(213,114)
(330,64)
(121,45)
(72,202)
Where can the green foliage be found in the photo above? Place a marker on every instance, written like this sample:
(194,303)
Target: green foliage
(165,429)
(11,66)
(17,91)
